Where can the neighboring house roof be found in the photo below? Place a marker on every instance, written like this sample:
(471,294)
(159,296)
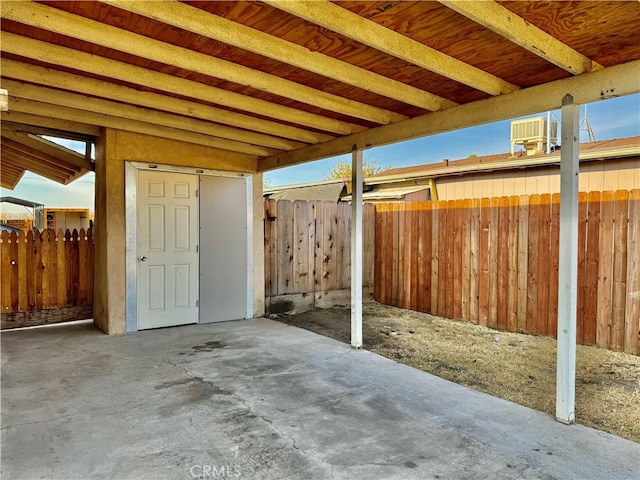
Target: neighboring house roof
(603,150)
(327,191)
(375,189)
(389,194)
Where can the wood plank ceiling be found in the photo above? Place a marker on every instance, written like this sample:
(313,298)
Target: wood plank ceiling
(285,82)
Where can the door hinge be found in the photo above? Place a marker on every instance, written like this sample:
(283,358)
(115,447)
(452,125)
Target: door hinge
(197,303)
(196,192)
(197,248)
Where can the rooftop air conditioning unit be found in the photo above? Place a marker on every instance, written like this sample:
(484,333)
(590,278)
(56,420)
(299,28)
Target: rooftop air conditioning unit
(532,134)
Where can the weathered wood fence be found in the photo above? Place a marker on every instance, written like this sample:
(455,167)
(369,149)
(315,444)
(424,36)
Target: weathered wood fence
(45,271)
(308,253)
(494,261)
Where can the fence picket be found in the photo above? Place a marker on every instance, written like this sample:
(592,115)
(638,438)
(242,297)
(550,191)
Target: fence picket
(522,263)
(493,248)
(63,272)
(483,263)
(632,301)
(427,239)
(435,259)
(15,281)
(381,246)
(269,265)
(474,241)
(533,245)
(73,283)
(512,265)
(444,266)
(53,268)
(590,310)
(449,248)
(620,231)
(89,266)
(37,269)
(552,323)
(464,213)
(23,274)
(5,257)
(390,258)
(582,245)
(503,265)
(544,268)
(44,266)
(411,297)
(458,220)
(83,254)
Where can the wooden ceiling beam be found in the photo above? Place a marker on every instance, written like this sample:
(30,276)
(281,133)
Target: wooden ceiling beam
(217,28)
(90,86)
(40,144)
(51,132)
(9,167)
(24,122)
(8,183)
(69,58)
(619,80)
(9,179)
(34,166)
(351,25)
(230,149)
(81,28)
(119,110)
(504,22)
(37,156)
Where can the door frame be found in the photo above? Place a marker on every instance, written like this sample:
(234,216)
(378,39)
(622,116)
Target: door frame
(131,230)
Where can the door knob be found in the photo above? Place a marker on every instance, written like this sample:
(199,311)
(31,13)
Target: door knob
(143,258)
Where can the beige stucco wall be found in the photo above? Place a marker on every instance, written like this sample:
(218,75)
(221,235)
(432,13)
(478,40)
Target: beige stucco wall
(607,175)
(114,148)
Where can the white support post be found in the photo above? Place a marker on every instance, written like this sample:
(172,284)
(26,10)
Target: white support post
(568,266)
(356,248)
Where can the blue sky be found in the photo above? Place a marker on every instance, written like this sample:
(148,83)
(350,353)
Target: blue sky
(613,118)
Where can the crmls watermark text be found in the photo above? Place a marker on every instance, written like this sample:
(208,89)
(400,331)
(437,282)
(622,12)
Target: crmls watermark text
(215,471)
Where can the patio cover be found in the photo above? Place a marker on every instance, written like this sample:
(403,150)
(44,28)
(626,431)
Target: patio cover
(283,82)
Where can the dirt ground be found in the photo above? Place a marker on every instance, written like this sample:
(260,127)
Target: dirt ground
(516,367)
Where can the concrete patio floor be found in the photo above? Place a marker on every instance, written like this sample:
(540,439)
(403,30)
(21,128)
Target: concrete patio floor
(259,399)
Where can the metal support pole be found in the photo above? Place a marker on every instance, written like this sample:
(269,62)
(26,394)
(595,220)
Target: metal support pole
(356,248)
(568,266)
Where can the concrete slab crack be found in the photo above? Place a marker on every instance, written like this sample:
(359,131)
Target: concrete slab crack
(296,446)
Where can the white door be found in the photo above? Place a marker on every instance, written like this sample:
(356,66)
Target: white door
(224,241)
(167,276)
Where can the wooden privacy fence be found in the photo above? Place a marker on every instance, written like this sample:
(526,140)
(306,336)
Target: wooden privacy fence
(494,262)
(46,270)
(308,249)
